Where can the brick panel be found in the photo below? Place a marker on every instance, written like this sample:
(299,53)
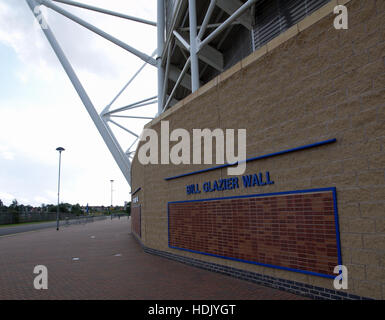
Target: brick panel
(296,231)
(136,220)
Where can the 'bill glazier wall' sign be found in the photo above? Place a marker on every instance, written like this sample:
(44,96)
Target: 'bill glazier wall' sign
(250,180)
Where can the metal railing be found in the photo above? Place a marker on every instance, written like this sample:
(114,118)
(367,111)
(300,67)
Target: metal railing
(82,220)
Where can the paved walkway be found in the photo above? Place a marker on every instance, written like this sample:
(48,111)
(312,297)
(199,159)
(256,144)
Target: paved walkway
(24,227)
(111,265)
(4,230)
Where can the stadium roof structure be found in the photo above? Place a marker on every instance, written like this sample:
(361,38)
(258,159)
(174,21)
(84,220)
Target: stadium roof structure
(191,40)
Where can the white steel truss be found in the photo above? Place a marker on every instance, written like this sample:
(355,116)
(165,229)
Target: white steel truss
(197,46)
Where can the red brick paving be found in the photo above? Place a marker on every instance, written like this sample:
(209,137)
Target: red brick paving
(99,274)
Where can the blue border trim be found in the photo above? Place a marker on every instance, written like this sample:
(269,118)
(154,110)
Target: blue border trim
(132,193)
(338,239)
(333,189)
(255,158)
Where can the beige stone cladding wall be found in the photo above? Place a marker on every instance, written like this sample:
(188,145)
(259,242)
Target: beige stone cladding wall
(137,178)
(310,84)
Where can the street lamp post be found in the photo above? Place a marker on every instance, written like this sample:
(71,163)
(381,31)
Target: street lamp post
(60,149)
(112,181)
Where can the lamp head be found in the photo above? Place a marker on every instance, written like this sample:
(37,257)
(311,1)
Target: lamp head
(60,149)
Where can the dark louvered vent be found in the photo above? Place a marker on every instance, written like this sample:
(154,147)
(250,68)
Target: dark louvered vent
(273,17)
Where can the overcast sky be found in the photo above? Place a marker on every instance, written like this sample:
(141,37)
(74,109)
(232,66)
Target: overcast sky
(40,110)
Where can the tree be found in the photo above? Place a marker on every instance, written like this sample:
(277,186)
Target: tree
(14,204)
(76,209)
(65,207)
(3,208)
(128,208)
(14,209)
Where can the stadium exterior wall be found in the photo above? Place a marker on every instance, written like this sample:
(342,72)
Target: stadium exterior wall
(313,100)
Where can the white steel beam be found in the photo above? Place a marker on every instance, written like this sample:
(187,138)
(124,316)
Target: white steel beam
(206,19)
(174,75)
(137,104)
(209,26)
(123,128)
(212,57)
(182,40)
(193,46)
(167,72)
(109,12)
(231,6)
(226,23)
(186,66)
(131,117)
(129,148)
(128,83)
(173,101)
(113,146)
(160,35)
(209,55)
(176,17)
(69,15)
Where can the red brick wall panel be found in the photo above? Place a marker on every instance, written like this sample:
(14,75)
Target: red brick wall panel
(136,220)
(296,231)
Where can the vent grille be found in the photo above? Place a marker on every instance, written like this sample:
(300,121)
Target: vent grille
(272,17)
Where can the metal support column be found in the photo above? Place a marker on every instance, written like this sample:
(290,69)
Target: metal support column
(160,30)
(193,46)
